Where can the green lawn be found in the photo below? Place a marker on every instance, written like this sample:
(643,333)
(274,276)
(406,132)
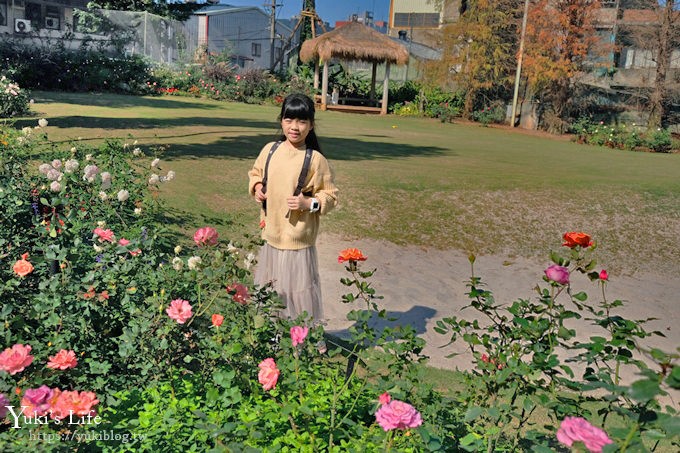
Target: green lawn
(407,180)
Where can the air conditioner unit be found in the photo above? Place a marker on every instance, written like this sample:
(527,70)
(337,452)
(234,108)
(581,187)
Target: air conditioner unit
(52,23)
(22,25)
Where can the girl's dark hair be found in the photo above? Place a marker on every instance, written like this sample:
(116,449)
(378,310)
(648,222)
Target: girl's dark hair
(300,106)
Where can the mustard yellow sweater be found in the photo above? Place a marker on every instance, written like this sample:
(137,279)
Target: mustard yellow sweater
(292,230)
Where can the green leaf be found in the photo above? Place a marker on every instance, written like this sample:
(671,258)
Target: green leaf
(673,378)
(580,296)
(258,321)
(644,390)
(473,413)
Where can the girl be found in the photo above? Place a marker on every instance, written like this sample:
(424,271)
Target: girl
(291,205)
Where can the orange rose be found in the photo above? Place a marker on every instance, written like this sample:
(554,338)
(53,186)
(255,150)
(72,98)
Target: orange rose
(574,238)
(217,320)
(22,267)
(351,255)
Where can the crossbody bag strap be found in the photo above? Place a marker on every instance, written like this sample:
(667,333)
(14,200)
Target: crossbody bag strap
(303,173)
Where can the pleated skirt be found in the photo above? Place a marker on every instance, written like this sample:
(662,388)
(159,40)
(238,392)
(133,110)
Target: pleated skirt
(294,275)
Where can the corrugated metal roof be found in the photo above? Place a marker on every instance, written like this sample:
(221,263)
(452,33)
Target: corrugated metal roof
(224,9)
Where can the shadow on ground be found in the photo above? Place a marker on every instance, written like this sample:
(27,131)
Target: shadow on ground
(121,101)
(416,317)
(248,147)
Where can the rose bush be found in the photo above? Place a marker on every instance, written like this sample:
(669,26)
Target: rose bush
(171,348)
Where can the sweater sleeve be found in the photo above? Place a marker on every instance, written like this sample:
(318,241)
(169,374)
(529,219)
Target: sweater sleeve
(256,174)
(323,184)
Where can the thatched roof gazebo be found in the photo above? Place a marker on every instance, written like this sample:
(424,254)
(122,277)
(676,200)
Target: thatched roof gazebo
(354,41)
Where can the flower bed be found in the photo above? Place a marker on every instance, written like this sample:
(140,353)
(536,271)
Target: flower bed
(117,338)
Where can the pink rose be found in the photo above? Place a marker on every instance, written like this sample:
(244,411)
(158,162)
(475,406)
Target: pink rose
(398,415)
(577,429)
(604,276)
(74,402)
(240,293)
(15,359)
(557,274)
(37,401)
(384,398)
(179,310)
(123,242)
(104,235)
(298,334)
(205,236)
(4,402)
(268,374)
(63,360)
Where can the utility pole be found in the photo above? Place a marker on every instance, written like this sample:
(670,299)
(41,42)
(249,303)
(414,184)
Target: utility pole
(519,63)
(272,35)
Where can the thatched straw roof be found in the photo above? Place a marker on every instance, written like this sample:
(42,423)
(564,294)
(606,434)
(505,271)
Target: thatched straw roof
(354,41)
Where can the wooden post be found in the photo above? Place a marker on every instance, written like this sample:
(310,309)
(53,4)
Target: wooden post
(316,75)
(373,72)
(386,89)
(324,86)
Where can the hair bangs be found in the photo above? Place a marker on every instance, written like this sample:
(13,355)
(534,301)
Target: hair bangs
(297,108)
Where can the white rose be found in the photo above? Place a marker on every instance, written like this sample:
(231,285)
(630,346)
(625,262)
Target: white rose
(55,186)
(138,211)
(193,262)
(42,122)
(103,196)
(178,249)
(123,195)
(155,162)
(154,179)
(71,165)
(177,263)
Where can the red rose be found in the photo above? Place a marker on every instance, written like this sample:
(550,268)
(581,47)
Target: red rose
(574,238)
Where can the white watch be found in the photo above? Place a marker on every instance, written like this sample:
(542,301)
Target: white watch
(314,206)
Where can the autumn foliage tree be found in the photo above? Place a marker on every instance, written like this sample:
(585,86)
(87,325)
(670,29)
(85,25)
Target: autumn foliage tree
(658,34)
(561,40)
(479,51)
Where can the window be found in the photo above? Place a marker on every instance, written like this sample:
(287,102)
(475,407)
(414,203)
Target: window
(52,17)
(256,50)
(3,13)
(418,20)
(34,14)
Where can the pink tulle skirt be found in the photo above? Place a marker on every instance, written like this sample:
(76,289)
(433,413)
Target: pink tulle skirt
(294,275)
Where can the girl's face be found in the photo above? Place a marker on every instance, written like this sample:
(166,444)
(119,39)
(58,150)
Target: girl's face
(296,130)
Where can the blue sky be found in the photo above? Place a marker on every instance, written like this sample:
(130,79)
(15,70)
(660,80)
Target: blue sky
(329,10)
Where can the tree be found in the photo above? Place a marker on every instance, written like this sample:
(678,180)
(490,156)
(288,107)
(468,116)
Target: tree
(478,51)
(561,42)
(659,34)
(166,8)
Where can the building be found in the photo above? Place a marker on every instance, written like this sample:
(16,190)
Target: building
(242,32)
(420,20)
(22,18)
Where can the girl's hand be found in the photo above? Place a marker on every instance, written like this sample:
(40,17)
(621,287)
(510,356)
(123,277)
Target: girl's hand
(259,196)
(299,202)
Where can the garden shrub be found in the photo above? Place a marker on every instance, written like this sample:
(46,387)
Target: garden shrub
(495,113)
(528,359)
(659,140)
(14,101)
(57,68)
(621,136)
